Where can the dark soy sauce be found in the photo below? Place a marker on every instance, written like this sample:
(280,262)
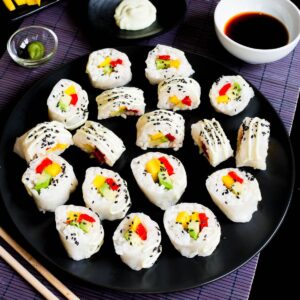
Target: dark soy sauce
(257,30)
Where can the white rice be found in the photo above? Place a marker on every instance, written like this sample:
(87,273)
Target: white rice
(208,239)
(155,76)
(158,194)
(160,121)
(237,101)
(74,115)
(237,207)
(60,188)
(253,143)
(94,136)
(43,139)
(107,209)
(144,253)
(180,88)
(211,139)
(120,76)
(78,244)
(122,101)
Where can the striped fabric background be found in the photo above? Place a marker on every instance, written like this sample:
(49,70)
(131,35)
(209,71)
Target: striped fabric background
(278,81)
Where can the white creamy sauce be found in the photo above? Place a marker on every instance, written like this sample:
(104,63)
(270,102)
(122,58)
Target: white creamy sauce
(135,14)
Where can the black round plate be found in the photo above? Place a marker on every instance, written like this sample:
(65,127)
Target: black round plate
(171,272)
(101,18)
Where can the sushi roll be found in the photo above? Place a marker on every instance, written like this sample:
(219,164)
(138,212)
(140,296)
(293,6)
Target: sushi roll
(178,93)
(235,192)
(99,142)
(80,231)
(230,95)
(44,138)
(108,68)
(192,228)
(68,103)
(49,180)
(161,177)
(160,129)
(122,101)
(253,143)
(106,193)
(212,141)
(164,62)
(137,241)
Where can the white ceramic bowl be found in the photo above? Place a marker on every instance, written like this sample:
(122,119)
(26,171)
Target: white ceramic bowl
(283,10)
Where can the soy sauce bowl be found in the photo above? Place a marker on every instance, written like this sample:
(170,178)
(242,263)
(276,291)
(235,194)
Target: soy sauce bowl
(283,10)
(29,34)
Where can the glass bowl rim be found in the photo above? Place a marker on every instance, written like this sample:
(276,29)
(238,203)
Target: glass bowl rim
(31,62)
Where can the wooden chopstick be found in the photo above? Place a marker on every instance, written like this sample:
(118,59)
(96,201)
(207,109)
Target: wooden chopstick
(26,275)
(42,270)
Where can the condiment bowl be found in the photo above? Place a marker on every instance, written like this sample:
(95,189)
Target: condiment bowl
(24,36)
(283,10)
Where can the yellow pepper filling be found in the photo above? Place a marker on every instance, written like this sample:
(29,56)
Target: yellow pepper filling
(153,167)
(223,99)
(98,181)
(54,169)
(105,62)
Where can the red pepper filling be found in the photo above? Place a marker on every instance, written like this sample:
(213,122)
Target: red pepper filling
(203,220)
(224,89)
(167,165)
(116,62)
(135,111)
(164,57)
(112,184)
(170,137)
(204,149)
(187,101)
(74,99)
(235,177)
(141,232)
(99,155)
(45,162)
(86,218)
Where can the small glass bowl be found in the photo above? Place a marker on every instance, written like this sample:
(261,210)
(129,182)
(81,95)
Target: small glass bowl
(29,34)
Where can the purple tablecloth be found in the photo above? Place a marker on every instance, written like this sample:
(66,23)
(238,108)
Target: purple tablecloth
(278,81)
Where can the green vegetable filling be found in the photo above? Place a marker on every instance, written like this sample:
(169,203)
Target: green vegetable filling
(162,64)
(36,50)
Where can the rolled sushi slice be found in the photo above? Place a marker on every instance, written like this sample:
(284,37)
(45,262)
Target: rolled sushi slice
(68,103)
(137,240)
(44,138)
(122,101)
(161,177)
(164,62)
(178,93)
(108,68)
(49,180)
(212,141)
(253,143)
(99,142)
(235,192)
(230,95)
(192,228)
(106,193)
(80,231)
(160,129)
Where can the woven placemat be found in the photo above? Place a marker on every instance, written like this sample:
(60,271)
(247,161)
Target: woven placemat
(278,81)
